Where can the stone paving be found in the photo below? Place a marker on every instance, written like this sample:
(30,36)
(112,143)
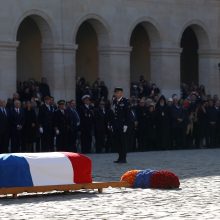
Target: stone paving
(198,197)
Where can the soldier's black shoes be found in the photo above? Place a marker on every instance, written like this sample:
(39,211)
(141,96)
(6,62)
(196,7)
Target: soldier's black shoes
(120,161)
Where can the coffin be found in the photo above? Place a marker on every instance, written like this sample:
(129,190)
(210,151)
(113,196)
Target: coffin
(44,169)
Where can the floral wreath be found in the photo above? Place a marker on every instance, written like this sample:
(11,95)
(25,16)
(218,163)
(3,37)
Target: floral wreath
(162,179)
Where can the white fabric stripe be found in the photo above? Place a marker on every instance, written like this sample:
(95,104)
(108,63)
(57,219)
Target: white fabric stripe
(49,168)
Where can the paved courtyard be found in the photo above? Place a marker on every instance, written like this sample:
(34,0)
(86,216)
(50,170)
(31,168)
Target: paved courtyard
(198,197)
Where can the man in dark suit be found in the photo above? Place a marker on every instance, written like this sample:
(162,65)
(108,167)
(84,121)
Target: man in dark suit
(178,123)
(46,127)
(213,114)
(17,120)
(87,123)
(119,121)
(100,122)
(74,122)
(61,125)
(4,127)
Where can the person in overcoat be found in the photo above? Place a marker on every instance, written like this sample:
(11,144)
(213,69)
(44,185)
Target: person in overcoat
(4,127)
(46,126)
(17,120)
(86,113)
(61,127)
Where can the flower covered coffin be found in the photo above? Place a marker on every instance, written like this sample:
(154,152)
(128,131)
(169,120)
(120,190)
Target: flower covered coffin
(42,169)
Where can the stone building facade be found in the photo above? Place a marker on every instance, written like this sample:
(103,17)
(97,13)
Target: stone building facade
(167,41)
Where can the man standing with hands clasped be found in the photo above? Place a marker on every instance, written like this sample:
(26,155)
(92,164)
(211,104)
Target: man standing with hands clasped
(118,123)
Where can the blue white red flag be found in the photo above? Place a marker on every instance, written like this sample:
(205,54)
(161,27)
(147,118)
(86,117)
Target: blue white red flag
(41,169)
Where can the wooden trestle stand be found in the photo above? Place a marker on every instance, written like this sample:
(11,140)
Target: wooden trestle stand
(14,191)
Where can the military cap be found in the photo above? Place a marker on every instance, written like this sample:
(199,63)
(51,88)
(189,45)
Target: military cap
(61,102)
(85,97)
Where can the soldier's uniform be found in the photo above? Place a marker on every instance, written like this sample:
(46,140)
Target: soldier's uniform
(119,121)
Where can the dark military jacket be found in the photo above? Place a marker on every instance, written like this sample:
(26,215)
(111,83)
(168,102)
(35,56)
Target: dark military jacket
(120,114)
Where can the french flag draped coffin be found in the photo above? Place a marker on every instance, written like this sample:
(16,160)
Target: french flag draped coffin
(43,169)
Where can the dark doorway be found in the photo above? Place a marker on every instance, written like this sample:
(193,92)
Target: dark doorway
(140,55)
(29,58)
(87,53)
(189,66)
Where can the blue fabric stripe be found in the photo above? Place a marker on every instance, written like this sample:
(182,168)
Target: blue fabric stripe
(143,178)
(14,171)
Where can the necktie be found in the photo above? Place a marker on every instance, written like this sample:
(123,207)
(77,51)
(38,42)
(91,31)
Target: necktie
(76,114)
(5,113)
(2,109)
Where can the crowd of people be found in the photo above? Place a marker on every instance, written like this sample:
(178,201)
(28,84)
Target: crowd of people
(31,121)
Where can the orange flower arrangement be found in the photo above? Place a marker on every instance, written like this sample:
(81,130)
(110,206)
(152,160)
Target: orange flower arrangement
(130,176)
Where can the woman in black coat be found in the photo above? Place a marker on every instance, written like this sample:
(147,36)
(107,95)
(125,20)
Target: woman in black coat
(30,127)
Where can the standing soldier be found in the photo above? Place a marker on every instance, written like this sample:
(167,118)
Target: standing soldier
(119,121)
(86,124)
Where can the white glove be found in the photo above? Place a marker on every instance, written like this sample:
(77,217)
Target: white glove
(19,127)
(110,128)
(57,132)
(41,130)
(125,127)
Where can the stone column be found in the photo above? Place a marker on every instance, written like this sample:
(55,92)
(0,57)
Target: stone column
(8,68)
(209,73)
(165,70)
(114,68)
(58,64)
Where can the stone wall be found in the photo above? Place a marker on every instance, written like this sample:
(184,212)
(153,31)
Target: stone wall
(113,22)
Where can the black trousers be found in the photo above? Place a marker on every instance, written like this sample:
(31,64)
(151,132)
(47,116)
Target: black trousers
(86,141)
(121,143)
(72,137)
(4,142)
(99,140)
(62,141)
(47,141)
(16,141)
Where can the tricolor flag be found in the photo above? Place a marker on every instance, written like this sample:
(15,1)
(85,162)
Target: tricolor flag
(42,169)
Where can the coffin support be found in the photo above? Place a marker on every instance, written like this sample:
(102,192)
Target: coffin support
(14,191)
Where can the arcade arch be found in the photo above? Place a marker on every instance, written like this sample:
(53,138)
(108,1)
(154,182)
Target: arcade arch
(33,34)
(144,37)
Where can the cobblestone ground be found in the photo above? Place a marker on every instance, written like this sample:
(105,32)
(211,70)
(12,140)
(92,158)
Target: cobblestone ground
(198,198)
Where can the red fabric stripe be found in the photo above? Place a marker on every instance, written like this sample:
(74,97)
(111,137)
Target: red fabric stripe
(82,167)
